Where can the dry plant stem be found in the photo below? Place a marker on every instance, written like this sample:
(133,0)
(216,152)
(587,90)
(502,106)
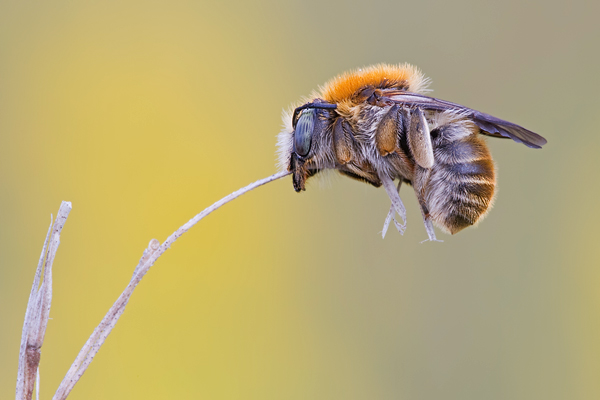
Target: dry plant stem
(38,309)
(154,250)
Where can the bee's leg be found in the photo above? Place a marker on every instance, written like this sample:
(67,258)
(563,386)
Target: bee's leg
(386,141)
(392,192)
(428,227)
(419,139)
(419,182)
(419,142)
(386,135)
(343,142)
(390,216)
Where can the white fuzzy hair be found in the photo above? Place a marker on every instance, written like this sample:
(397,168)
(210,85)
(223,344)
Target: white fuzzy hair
(285,143)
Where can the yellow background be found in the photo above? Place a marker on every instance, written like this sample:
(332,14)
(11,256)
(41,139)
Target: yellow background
(142,113)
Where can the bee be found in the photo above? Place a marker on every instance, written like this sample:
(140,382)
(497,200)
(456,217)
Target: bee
(376,125)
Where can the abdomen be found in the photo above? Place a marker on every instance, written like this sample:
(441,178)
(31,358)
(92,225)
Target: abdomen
(461,185)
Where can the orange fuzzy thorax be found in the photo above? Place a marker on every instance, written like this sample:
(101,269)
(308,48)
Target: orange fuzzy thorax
(404,77)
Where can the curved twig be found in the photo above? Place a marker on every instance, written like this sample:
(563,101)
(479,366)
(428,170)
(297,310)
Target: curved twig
(150,255)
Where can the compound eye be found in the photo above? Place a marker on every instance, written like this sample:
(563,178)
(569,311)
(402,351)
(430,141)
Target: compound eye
(304,131)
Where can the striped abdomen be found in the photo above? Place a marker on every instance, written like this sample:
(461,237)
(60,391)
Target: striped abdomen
(460,187)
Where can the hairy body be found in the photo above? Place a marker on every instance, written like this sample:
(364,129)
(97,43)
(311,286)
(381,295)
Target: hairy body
(376,125)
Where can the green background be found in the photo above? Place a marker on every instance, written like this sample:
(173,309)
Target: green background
(142,113)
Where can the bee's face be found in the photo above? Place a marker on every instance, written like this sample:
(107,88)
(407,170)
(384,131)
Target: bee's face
(310,123)
(373,125)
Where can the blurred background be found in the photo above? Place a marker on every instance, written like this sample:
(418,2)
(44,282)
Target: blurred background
(144,113)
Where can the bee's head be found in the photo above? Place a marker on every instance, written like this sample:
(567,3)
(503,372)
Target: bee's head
(309,122)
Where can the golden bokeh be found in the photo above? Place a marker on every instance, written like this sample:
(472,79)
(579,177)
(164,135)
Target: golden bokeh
(144,113)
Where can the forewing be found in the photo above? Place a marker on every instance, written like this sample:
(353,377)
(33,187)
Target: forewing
(489,124)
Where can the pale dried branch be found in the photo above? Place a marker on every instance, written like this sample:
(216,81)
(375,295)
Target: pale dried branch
(150,255)
(38,309)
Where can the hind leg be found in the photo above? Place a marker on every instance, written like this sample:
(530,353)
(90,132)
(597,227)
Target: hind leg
(397,205)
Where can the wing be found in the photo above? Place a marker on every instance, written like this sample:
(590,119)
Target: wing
(489,125)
